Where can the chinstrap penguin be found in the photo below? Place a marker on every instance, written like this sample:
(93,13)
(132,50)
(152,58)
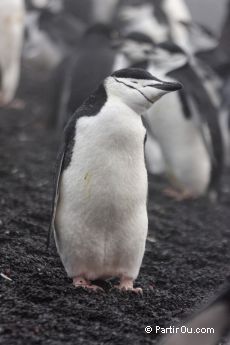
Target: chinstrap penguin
(99,210)
(190,139)
(187,145)
(183,131)
(207,327)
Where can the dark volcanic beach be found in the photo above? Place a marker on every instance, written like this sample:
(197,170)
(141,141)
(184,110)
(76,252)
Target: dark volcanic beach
(184,267)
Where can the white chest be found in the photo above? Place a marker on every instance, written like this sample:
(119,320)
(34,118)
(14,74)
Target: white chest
(107,165)
(101,215)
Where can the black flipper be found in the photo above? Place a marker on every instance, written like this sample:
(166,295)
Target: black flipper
(63,160)
(216,316)
(59,166)
(90,107)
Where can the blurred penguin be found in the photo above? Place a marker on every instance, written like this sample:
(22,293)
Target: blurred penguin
(187,128)
(12,20)
(136,50)
(141,17)
(91,63)
(179,18)
(79,9)
(104,11)
(56,22)
(225,118)
(164,21)
(92,11)
(183,132)
(207,327)
(39,50)
(54,6)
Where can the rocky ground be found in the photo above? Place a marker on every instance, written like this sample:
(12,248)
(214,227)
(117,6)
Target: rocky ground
(185,264)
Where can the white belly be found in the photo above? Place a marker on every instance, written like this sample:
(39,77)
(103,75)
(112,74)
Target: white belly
(185,154)
(101,216)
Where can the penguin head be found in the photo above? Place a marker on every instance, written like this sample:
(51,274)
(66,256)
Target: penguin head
(137,88)
(168,57)
(137,47)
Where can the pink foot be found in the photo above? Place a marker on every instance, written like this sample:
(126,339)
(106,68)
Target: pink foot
(126,284)
(178,195)
(17,104)
(84,283)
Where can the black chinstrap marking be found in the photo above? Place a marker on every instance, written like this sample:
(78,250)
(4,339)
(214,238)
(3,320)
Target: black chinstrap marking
(132,87)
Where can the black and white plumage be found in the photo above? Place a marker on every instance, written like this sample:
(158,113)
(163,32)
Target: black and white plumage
(40,50)
(92,11)
(54,6)
(196,160)
(99,211)
(167,20)
(184,138)
(162,20)
(206,327)
(141,18)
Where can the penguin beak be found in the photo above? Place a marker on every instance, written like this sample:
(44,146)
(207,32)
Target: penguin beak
(167,86)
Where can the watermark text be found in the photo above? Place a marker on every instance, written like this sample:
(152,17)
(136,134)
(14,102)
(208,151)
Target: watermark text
(181,329)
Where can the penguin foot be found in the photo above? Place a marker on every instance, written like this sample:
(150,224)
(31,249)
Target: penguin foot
(17,104)
(86,284)
(178,195)
(126,284)
(2,100)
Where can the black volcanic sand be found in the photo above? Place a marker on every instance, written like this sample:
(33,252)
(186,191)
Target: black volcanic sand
(185,266)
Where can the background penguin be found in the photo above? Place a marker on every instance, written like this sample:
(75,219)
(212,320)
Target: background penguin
(80,9)
(135,51)
(54,6)
(187,143)
(162,20)
(104,11)
(39,50)
(99,210)
(178,18)
(214,316)
(167,21)
(190,138)
(91,63)
(92,11)
(142,18)
(61,25)
(12,20)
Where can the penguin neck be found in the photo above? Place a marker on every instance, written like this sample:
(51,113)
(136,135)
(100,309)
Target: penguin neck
(96,40)
(141,64)
(128,109)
